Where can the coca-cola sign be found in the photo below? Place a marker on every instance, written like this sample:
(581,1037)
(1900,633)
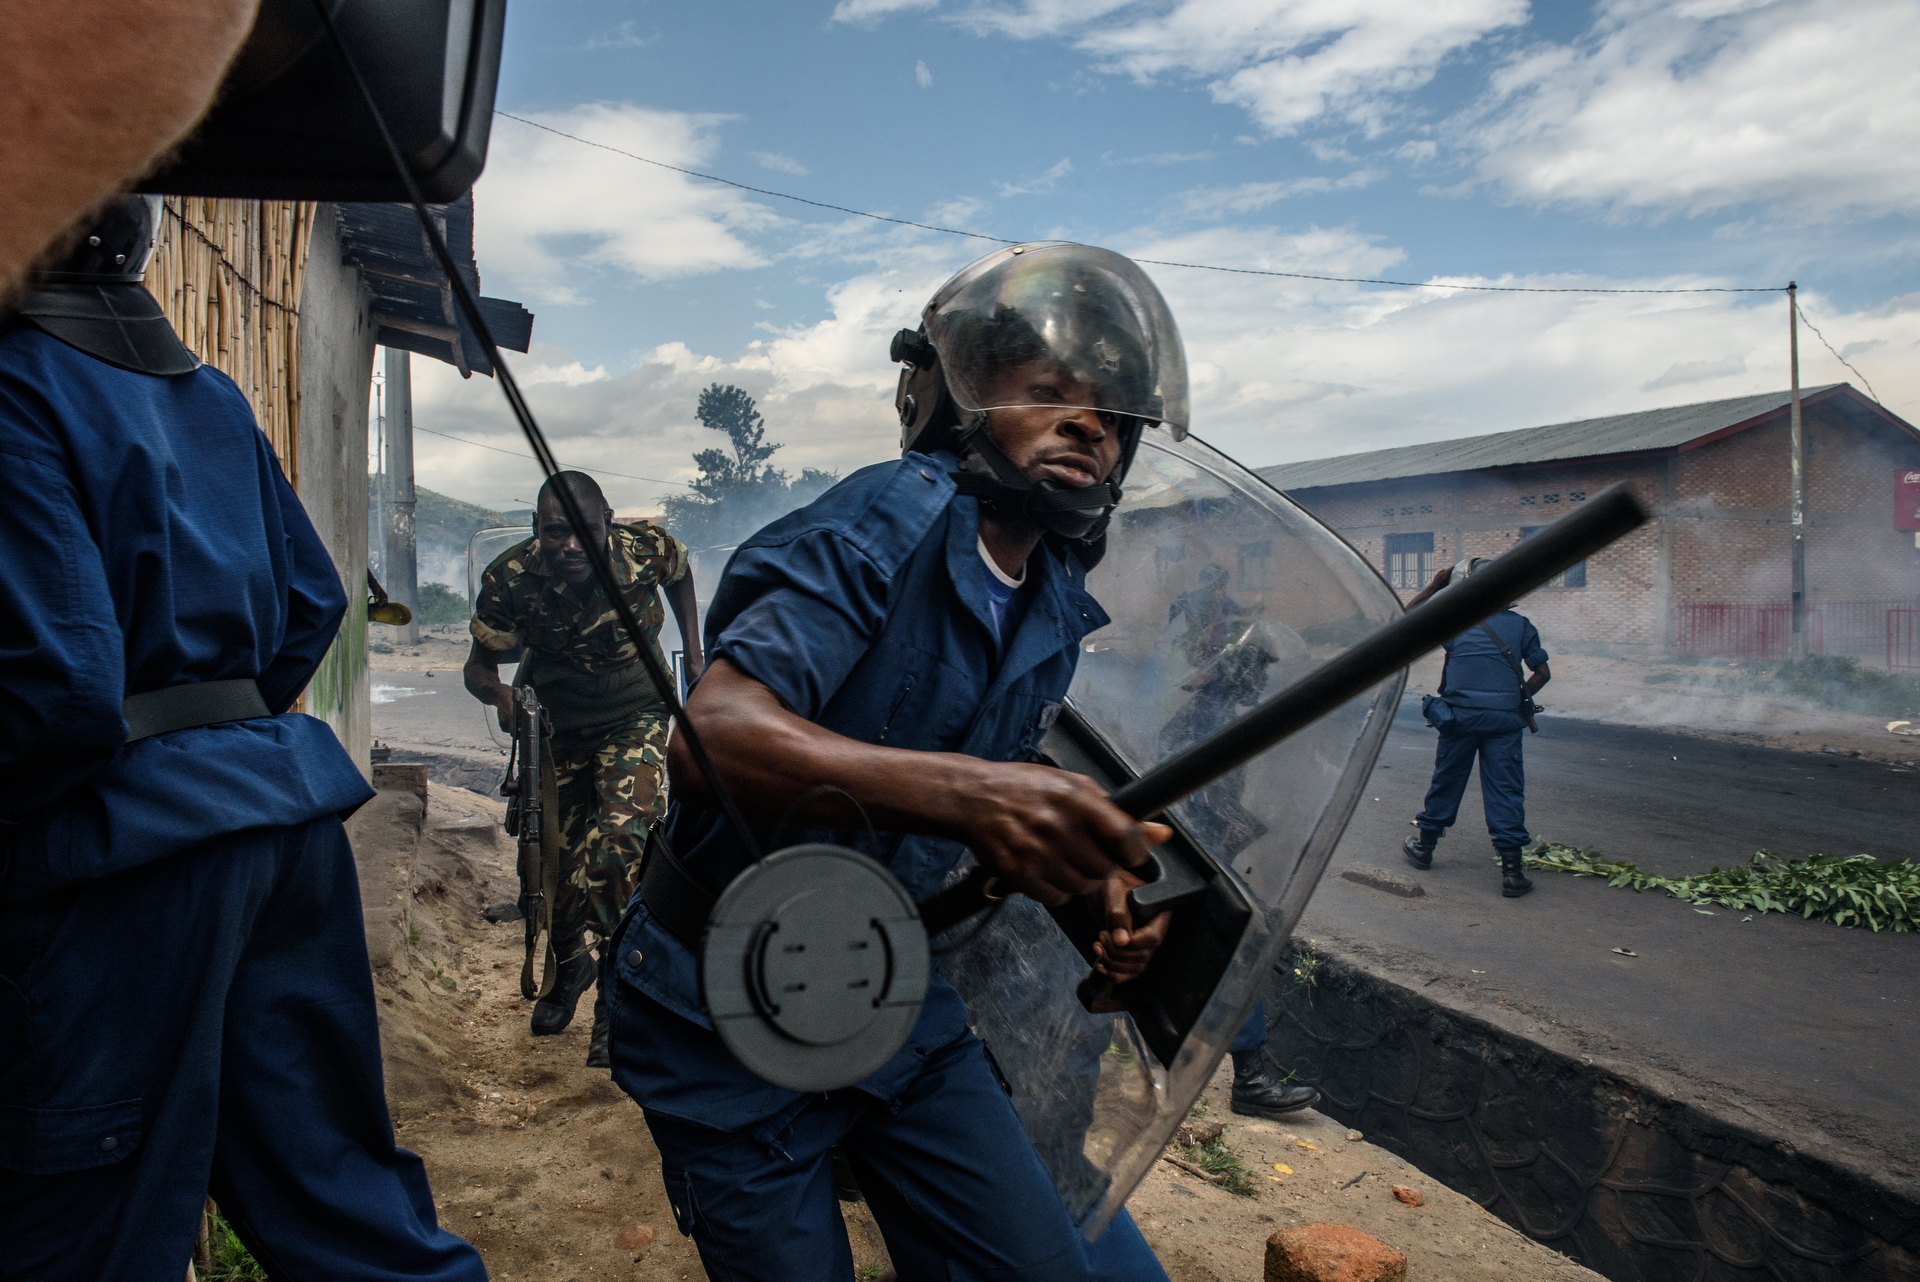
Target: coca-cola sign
(1906,499)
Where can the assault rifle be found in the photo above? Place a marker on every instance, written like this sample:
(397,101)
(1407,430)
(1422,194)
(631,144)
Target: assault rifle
(528,790)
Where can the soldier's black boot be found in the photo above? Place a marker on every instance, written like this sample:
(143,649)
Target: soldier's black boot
(1418,847)
(598,1054)
(1258,1092)
(1513,874)
(552,1013)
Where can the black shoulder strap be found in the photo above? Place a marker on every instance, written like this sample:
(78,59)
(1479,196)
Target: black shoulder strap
(1512,662)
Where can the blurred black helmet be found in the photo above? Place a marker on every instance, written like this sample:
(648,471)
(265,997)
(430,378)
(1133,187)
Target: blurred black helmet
(92,300)
(115,248)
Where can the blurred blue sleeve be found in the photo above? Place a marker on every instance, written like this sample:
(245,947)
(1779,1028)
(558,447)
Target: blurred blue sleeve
(62,659)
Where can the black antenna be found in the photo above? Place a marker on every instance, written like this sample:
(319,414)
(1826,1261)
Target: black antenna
(543,454)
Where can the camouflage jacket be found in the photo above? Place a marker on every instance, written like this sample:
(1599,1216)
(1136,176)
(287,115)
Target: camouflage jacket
(577,655)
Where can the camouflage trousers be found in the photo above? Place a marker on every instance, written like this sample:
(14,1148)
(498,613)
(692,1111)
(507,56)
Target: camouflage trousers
(609,790)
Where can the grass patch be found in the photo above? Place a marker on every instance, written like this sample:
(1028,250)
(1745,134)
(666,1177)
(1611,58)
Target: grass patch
(1847,890)
(1218,1158)
(230,1261)
(1839,682)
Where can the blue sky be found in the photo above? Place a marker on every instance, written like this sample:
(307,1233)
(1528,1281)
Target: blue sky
(1625,144)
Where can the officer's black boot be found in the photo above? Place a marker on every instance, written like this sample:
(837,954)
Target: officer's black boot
(552,1013)
(1418,847)
(598,1054)
(1259,1092)
(1513,874)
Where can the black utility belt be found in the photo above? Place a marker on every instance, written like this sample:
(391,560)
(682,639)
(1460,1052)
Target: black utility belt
(203,703)
(676,898)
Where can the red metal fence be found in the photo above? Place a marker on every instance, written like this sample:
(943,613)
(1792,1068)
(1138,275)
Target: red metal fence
(1903,639)
(1711,629)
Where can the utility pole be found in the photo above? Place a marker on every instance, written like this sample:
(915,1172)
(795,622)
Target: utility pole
(1798,501)
(377,539)
(403,576)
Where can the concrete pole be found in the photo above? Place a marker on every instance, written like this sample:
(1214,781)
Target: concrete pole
(1798,650)
(403,575)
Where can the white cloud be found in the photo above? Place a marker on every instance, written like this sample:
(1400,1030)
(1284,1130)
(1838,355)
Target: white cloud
(867,11)
(1290,369)
(922,76)
(826,390)
(1040,183)
(1808,107)
(621,37)
(779,163)
(1287,62)
(1248,197)
(550,213)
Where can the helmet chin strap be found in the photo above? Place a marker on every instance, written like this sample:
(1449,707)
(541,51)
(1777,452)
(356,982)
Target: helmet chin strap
(1072,513)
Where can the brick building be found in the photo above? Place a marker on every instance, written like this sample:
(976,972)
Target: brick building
(1712,564)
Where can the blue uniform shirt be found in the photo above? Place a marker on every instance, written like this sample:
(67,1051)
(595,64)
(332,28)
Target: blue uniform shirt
(1478,675)
(867,612)
(149,540)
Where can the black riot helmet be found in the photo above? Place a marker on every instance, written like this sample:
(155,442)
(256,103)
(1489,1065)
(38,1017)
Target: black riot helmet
(116,248)
(92,299)
(1089,318)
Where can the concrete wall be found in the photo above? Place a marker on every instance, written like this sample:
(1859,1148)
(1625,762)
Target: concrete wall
(336,369)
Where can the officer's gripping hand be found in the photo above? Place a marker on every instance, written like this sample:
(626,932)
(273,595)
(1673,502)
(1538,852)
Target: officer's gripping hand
(1123,950)
(1051,834)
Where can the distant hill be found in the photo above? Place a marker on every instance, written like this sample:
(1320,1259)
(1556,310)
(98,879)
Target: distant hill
(441,527)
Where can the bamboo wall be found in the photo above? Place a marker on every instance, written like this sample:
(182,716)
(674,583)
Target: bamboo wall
(229,273)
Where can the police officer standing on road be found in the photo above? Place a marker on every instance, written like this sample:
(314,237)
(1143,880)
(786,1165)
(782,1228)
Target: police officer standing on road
(608,724)
(907,638)
(185,1001)
(1483,704)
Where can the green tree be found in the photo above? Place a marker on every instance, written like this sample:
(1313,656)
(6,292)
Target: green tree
(738,490)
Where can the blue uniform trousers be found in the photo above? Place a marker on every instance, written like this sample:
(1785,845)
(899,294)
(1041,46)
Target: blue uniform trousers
(946,1169)
(1253,1034)
(1494,737)
(205,1021)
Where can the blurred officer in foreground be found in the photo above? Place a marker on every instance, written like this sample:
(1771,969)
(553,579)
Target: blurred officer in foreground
(1483,704)
(185,1001)
(608,724)
(93,93)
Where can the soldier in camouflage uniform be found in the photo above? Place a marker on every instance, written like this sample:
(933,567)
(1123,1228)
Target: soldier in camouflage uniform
(609,724)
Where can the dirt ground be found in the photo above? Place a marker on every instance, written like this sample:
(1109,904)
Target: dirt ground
(1681,697)
(547,1167)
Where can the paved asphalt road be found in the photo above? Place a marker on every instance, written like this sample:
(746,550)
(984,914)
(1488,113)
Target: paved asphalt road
(1805,1022)
(1797,1019)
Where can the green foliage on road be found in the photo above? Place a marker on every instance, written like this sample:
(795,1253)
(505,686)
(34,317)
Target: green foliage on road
(1218,1158)
(1847,890)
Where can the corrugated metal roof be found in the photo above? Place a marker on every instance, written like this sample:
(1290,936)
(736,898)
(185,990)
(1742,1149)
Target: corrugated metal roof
(1666,428)
(413,305)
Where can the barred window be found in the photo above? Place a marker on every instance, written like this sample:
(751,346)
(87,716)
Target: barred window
(1409,560)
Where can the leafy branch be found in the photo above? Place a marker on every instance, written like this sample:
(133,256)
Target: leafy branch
(1847,890)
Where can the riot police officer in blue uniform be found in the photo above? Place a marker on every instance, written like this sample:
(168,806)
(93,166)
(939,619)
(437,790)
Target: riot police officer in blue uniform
(1483,704)
(907,638)
(185,1001)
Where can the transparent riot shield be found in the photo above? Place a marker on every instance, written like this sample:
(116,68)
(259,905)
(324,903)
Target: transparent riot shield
(1222,592)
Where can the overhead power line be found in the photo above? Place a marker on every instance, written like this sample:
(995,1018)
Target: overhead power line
(1836,355)
(521,454)
(1154,262)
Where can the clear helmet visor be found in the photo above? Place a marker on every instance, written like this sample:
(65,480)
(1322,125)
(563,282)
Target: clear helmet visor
(1055,323)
